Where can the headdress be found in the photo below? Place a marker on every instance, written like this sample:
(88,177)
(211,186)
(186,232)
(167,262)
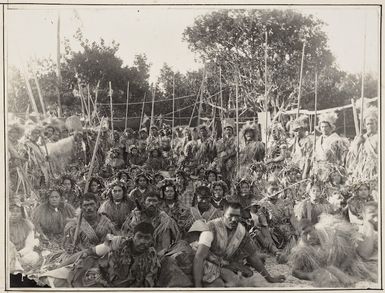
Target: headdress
(131,147)
(73,123)
(222,184)
(144,129)
(329,117)
(371,113)
(290,168)
(278,127)
(258,166)
(16,127)
(143,174)
(249,126)
(299,123)
(228,122)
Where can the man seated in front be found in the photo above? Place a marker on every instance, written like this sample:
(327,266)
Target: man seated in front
(119,262)
(222,250)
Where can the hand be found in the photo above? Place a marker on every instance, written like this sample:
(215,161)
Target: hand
(108,239)
(278,279)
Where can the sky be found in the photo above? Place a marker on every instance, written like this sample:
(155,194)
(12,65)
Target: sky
(157,32)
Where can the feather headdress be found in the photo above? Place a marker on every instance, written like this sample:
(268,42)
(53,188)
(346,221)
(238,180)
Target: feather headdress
(300,123)
(329,117)
(249,126)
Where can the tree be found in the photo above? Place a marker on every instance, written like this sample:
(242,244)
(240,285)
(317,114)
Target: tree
(235,41)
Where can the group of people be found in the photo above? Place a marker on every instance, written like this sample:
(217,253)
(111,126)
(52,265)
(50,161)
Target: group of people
(163,207)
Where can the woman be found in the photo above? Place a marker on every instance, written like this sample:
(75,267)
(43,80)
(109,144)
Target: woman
(96,186)
(117,205)
(361,196)
(155,160)
(185,188)
(51,216)
(219,189)
(142,183)
(172,207)
(211,176)
(70,190)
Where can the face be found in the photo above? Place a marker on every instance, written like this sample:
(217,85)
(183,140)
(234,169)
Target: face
(186,134)
(232,217)
(202,173)
(142,241)
(293,176)
(249,135)
(34,136)
(117,193)
(179,179)
(218,192)
(203,132)
(54,199)
(13,136)
(336,178)
(309,236)
(123,177)
(275,134)
(67,184)
(143,135)
(155,153)
(165,144)
(298,132)
(48,132)
(151,204)
(325,128)
(187,170)
(228,131)
(212,177)
(142,182)
(314,192)
(154,132)
(89,208)
(203,202)
(245,188)
(130,184)
(169,193)
(94,186)
(15,211)
(363,192)
(371,126)
(134,151)
(259,174)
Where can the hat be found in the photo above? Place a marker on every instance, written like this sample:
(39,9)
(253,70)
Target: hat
(144,129)
(154,126)
(131,147)
(228,122)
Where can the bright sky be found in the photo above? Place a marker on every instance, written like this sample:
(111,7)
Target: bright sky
(157,32)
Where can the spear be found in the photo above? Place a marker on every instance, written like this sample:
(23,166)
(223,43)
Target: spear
(152,107)
(30,94)
(315,110)
(220,91)
(266,92)
(173,110)
(58,65)
(300,77)
(39,92)
(363,83)
(112,114)
(89,104)
(76,235)
(128,92)
(142,113)
(237,120)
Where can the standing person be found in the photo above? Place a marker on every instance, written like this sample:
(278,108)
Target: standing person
(94,227)
(155,160)
(142,141)
(36,162)
(302,148)
(117,205)
(226,150)
(202,208)
(363,153)
(205,146)
(185,188)
(51,216)
(166,229)
(223,249)
(153,140)
(251,149)
(276,146)
(330,147)
(134,156)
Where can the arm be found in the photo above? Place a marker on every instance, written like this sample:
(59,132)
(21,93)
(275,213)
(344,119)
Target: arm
(258,265)
(366,246)
(199,258)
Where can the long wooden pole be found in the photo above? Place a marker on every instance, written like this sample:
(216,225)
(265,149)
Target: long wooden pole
(220,91)
(30,93)
(142,113)
(88,181)
(237,121)
(39,92)
(128,93)
(315,110)
(89,104)
(96,100)
(173,110)
(111,110)
(152,107)
(58,67)
(355,118)
(300,78)
(363,82)
(266,99)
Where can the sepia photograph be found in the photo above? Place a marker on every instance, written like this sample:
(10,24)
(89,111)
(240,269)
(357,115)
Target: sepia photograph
(201,146)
